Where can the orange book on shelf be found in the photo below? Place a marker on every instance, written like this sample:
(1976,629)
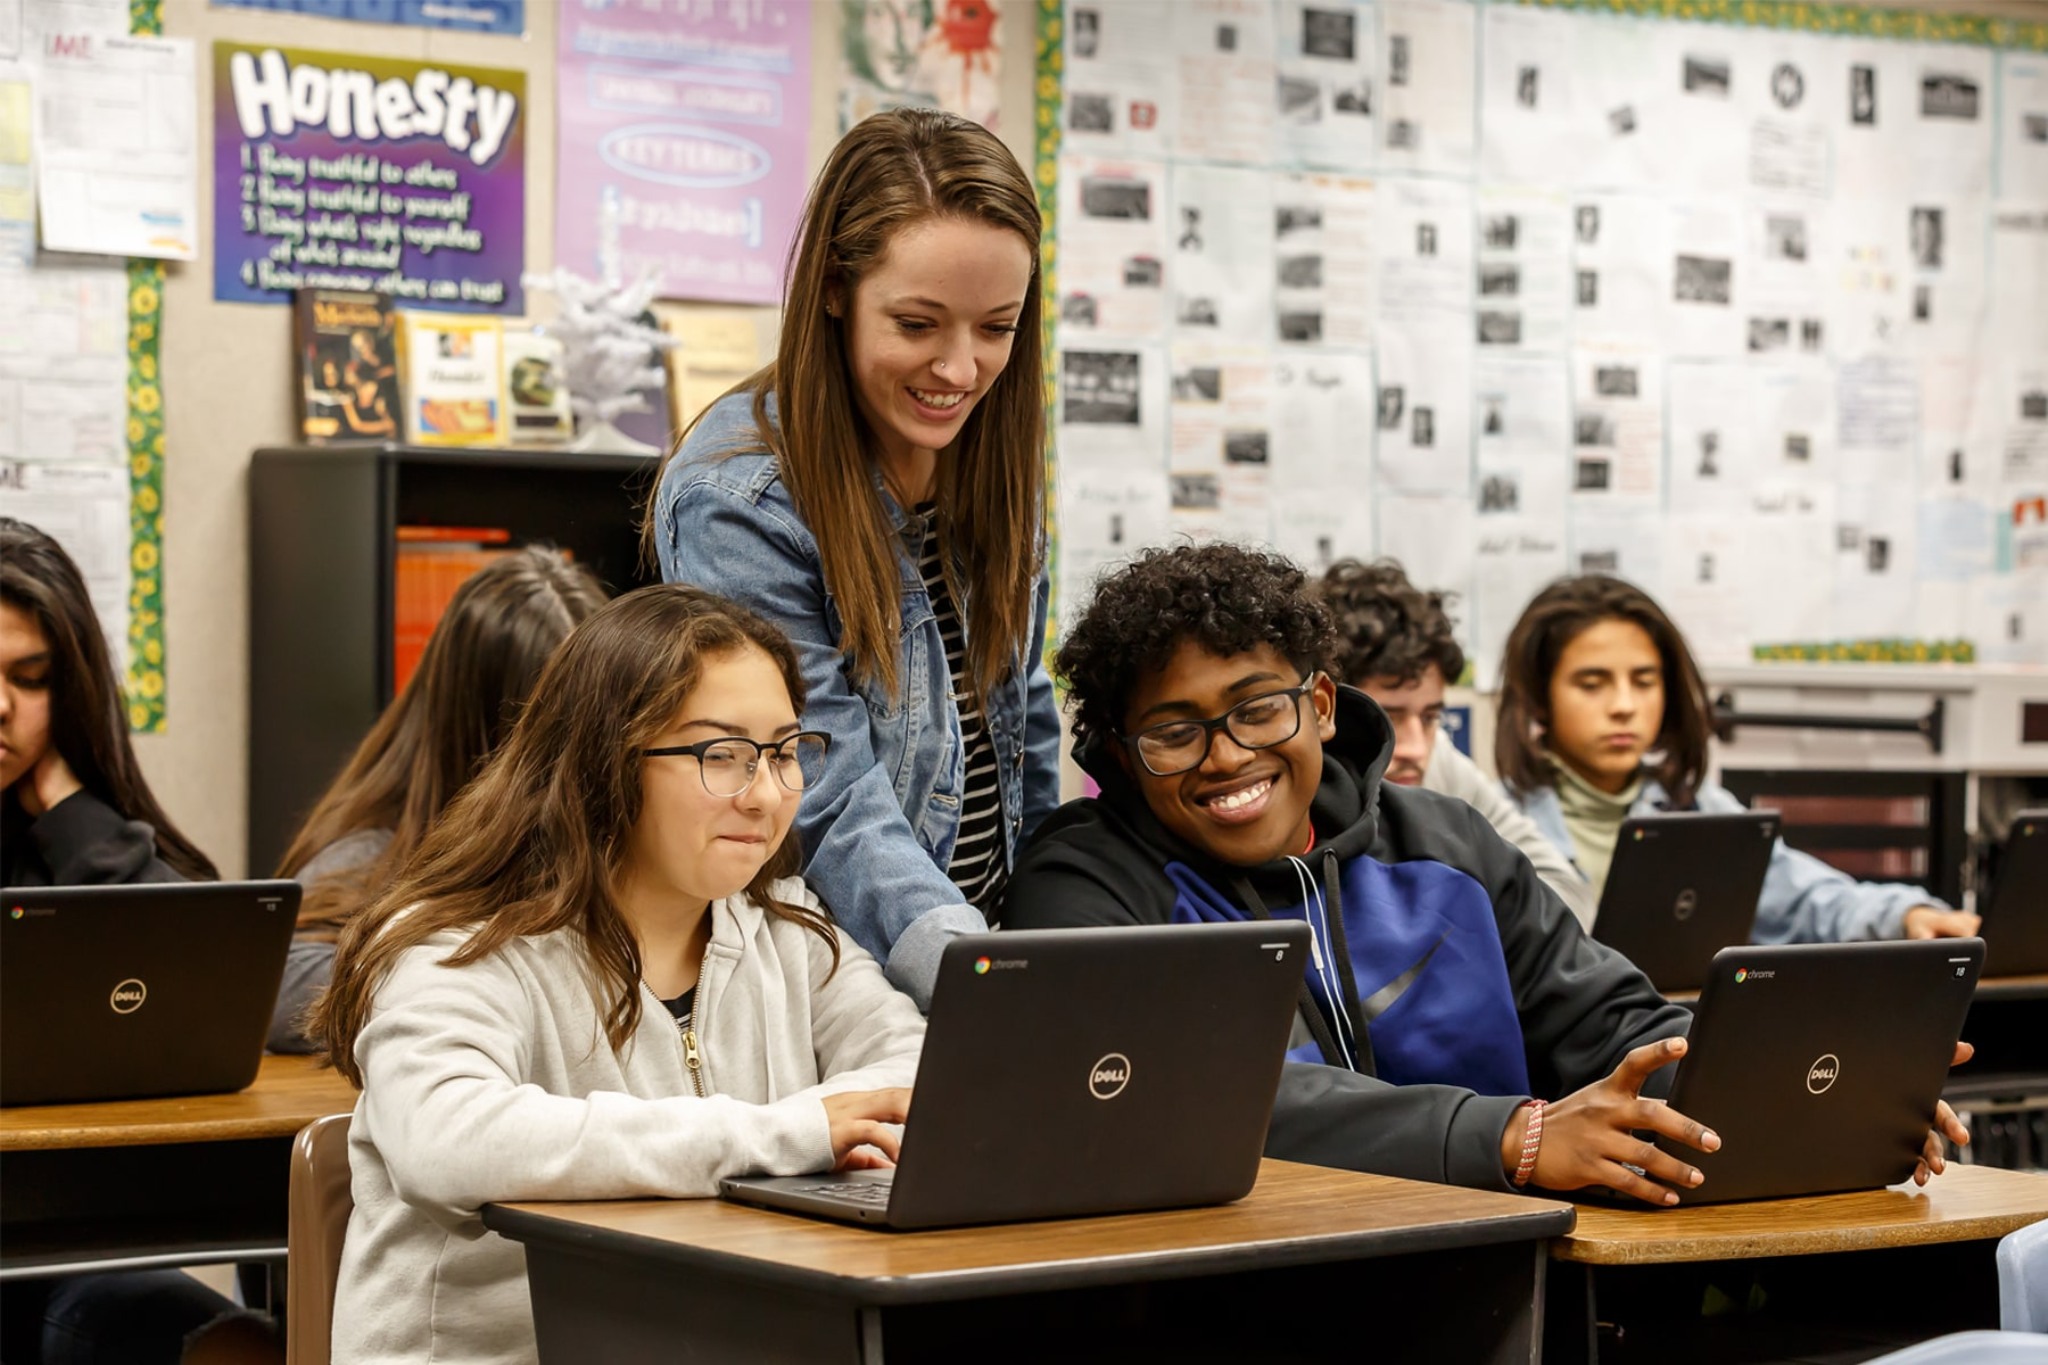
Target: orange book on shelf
(433,561)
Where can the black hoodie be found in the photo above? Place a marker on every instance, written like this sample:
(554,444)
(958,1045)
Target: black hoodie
(1450,1016)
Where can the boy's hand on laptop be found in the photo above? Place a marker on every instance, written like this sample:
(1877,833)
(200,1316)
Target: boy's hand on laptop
(1933,1155)
(866,1118)
(1928,921)
(1589,1137)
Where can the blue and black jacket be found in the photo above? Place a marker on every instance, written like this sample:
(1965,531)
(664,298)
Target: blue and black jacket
(1452,983)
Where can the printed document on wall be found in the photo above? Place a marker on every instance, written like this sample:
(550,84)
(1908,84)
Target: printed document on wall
(1875,548)
(1121,78)
(1221,234)
(1106,517)
(1625,104)
(1697,129)
(1622,267)
(116,156)
(1112,405)
(17,167)
(1523,417)
(1524,270)
(1788,535)
(1712,462)
(1611,540)
(2019,266)
(1431,536)
(1707,584)
(1511,556)
(1225,54)
(1113,244)
(1323,407)
(1426,121)
(1528,117)
(1324,92)
(1705,319)
(1425,411)
(1791,89)
(1425,267)
(1617,427)
(1324,235)
(84,508)
(1221,403)
(2023,134)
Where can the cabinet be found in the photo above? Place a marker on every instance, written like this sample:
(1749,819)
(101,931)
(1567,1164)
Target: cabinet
(323,527)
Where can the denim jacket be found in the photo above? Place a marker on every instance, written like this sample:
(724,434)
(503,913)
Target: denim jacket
(878,828)
(1803,900)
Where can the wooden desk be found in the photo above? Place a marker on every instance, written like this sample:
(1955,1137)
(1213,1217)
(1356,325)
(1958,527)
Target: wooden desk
(1916,1260)
(131,1183)
(1456,1274)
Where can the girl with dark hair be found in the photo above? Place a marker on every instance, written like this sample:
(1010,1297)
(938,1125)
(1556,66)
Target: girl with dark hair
(1603,715)
(76,810)
(477,670)
(879,492)
(599,977)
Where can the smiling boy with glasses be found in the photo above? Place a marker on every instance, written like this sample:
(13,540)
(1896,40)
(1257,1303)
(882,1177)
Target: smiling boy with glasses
(1448,988)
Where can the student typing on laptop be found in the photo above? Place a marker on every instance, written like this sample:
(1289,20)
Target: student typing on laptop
(599,978)
(1449,989)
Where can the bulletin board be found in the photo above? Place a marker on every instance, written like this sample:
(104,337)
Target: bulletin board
(1741,301)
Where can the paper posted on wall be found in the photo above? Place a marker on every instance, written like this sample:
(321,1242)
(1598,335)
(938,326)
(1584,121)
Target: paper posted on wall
(116,151)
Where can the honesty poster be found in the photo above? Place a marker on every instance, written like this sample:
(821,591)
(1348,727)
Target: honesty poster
(683,130)
(339,171)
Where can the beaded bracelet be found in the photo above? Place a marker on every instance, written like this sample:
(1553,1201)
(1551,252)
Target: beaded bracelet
(1532,1141)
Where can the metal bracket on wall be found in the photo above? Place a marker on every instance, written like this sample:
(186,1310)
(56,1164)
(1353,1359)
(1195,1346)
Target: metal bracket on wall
(1727,720)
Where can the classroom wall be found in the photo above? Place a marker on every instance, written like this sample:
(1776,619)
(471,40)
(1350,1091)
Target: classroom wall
(227,383)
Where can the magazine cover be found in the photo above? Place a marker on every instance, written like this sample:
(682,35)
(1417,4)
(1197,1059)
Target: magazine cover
(537,389)
(454,379)
(346,344)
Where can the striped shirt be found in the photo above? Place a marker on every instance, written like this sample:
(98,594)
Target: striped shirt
(980,867)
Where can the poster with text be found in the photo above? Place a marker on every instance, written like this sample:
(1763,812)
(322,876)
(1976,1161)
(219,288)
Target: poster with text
(341,171)
(928,54)
(470,16)
(681,132)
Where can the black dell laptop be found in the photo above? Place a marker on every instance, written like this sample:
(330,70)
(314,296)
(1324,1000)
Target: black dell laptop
(128,992)
(2016,912)
(1081,1071)
(1682,887)
(1820,1065)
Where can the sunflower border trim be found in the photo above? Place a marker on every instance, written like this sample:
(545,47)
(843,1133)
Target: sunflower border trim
(145,681)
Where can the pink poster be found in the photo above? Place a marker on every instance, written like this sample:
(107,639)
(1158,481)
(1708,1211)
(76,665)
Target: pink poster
(682,135)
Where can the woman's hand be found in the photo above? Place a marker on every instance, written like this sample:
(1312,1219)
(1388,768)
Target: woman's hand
(1933,1159)
(1590,1134)
(861,1118)
(49,782)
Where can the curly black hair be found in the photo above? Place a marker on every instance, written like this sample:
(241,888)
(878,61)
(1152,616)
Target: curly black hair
(1224,597)
(1386,626)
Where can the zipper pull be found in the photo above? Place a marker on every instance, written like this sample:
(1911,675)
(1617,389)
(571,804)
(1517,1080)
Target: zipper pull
(692,1058)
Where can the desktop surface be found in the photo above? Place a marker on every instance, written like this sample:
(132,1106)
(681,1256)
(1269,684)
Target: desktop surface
(288,1094)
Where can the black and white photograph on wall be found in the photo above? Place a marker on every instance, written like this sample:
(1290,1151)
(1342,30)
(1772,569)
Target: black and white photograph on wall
(1109,196)
(1809,334)
(1331,33)
(1948,94)
(1393,405)
(1798,447)
(1848,539)
(1923,303)
(1397,59)
(2034,127)
(1301,272)
(1925,236)
(1425,239)
(1497,231)
(1196,310)
(1198,384)
(1500,281)
(1615,381)
(1091,113)
(1289,218)
(1710,456)
(1525,86)
(1086,31)
(1599,561)
(1784,237)
(1622,121)
(1588,288)
(1955,465)
(1877,553)
(1326,554)
(1080,309)
(1301,325)
(1116,528)
(1226,37)
(1788,85)
(1703,279)
(1143,272)
(1770,334)
(1099,388)
(1590,475)
(1244,447)
(1863,96)
(1499,493)
(1423,429)
(1492,414)
(1586,223)
(1706,568)
(1190,229)
(1300,100)
(1404,135)
(1499,327)
(1355,99)
(1707,76)
(1592,429)
(2034,406)
(1195,492)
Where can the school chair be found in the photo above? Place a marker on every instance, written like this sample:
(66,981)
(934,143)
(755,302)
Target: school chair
(317,1220)
(2023,1279)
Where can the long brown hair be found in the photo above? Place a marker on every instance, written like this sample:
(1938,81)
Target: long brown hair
(88,725)
(536,842)
(477,669)
(1552,620)
(894,170)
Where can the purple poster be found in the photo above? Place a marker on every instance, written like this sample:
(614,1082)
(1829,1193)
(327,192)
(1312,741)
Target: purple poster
(683,128)
(339,171)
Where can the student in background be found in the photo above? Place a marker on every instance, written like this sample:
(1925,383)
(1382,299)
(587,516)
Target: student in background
(879,493)
(599,978)
(1394,643)
(1448,986)
(1603,715)
(475,673)
(76,811)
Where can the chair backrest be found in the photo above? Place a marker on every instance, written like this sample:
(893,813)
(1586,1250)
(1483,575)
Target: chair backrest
(2023,1279)
(320,1204)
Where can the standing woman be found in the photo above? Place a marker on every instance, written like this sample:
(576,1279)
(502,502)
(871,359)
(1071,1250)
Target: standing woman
(1603,715)
(879,492)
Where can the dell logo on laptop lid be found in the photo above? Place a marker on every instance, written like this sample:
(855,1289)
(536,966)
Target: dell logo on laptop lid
(1822,1073)
(1688,901)
(1108,1077)
(128,996)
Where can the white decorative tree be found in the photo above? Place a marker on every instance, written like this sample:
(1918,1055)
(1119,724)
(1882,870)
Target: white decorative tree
(611,355)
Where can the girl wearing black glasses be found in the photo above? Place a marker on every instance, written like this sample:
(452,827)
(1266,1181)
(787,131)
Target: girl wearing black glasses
(599,978)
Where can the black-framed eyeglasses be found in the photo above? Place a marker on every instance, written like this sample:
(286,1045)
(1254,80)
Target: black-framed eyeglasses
(730,763)
(1259,722)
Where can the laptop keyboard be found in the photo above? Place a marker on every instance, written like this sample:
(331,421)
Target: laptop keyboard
(867,1193)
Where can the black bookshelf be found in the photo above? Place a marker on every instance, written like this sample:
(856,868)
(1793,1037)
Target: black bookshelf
(322,570)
